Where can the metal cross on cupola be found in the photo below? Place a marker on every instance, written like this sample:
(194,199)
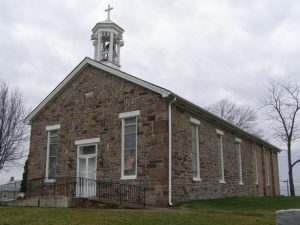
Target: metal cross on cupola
(108,11)
(107,40)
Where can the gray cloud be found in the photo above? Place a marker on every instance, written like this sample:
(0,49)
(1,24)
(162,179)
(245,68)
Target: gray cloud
(202,50)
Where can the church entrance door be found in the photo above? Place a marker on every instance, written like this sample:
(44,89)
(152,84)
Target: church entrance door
(86,170)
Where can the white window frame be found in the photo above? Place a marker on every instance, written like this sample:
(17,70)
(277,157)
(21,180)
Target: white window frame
(221,152)
(123,116)
(256,166)
(196,123)
(267,168)
(239,153)
(49,129)
(80,156)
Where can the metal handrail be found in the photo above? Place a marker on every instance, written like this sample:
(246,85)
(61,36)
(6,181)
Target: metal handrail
(107,191)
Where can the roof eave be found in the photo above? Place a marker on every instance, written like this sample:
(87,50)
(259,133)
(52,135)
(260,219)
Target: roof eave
(210,116)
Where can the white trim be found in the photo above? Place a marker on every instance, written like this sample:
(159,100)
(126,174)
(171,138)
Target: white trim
(219,132)
(130,177)
(86,62)
(195,121)
(256,166)
(222,182)
(87,141)
(197,178)
(267,167)
(86,157)
(47,180)
(53,127)
(221,151)
(129,114)
(237,140)
(239,152)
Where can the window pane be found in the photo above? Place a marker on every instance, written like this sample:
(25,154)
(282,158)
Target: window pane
(54,139)
(194,151)
(193,131)
(52,166)
(130,141)
(130,162)
(85,150)
(53,132)
(194,163)
(82,168)
(130,120)
(91,164)
(130,129)
(53,149)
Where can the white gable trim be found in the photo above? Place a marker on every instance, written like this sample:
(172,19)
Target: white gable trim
(53,127)
(87,141)
(237,140)
(87,61)
(195,121)
(129,114)
(219,132)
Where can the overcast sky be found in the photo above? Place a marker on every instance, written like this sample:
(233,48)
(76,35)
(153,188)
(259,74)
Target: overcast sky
(201,50)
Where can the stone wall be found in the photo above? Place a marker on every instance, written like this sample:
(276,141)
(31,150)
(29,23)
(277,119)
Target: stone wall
(89,107)
(185,188)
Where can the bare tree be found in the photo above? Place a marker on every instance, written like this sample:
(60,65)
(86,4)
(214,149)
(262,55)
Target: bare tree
(13,131)
(241,116)
(282,101)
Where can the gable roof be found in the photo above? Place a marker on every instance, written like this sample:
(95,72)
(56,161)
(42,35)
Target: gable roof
(157,89)
(82,65)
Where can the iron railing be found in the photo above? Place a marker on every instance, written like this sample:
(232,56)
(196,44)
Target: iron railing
(60,186)
(121,192)
(105,191)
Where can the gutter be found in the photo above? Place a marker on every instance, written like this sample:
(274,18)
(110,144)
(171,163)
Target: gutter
(170,150)
(191,107)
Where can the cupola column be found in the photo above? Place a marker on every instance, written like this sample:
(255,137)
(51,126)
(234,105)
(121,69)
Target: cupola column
(99,47)
(111,47)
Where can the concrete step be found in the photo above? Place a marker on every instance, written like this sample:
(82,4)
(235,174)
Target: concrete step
(68,202)
(44,202)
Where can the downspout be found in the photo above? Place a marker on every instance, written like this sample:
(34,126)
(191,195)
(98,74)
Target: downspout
(170,151)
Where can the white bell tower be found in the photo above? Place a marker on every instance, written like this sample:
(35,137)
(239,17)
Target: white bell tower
(107,40)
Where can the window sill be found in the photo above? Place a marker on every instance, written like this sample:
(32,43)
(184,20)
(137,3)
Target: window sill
(46,180)
(222,182)
(128,177)
(196,179)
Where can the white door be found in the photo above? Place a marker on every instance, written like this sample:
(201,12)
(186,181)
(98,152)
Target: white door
(86,171)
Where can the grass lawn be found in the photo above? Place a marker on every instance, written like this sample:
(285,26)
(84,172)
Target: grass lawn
(227,211)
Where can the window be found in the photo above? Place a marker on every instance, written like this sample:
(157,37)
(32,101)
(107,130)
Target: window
(195,149)
(239,154)
(129,145)
(267,168)
(52,148)
(220,150)
(256,166)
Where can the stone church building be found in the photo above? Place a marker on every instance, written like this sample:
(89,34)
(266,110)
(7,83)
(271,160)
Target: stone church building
(103,124)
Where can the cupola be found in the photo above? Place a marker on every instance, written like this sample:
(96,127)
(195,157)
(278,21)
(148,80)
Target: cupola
(107,40)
